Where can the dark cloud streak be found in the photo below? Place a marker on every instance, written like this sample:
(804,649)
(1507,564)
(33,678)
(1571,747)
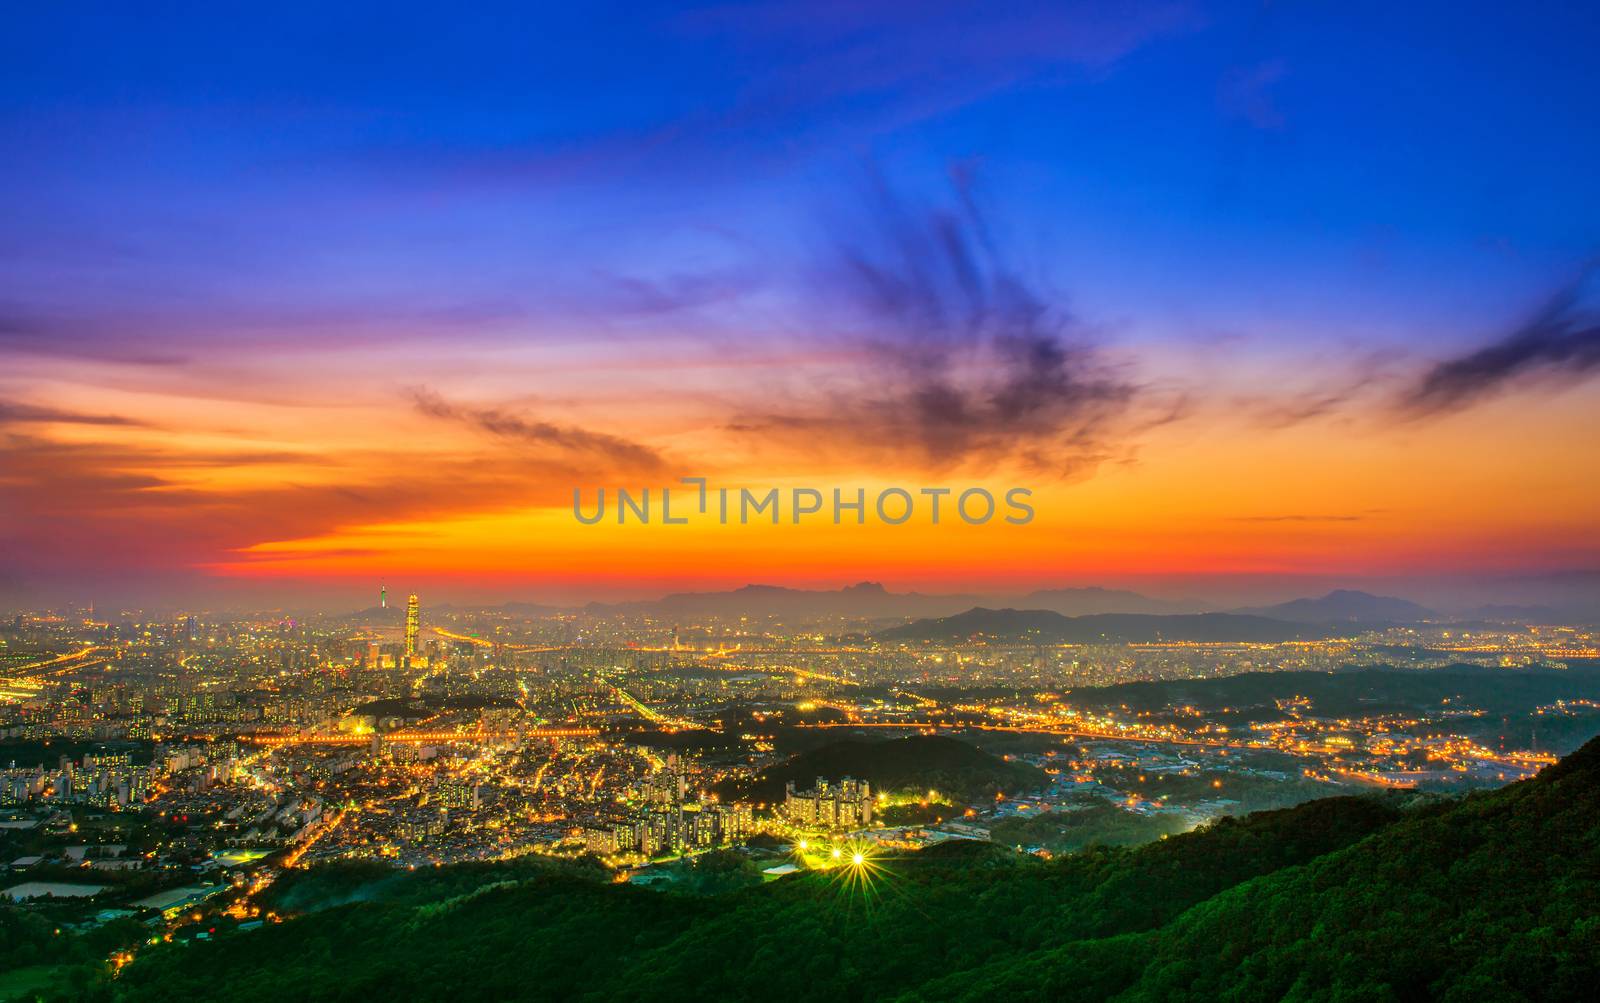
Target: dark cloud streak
(1561,340)
(567,439)
(27,414)
(969,364)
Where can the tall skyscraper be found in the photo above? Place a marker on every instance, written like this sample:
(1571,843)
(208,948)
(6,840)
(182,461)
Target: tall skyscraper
(383,597)
(413,626)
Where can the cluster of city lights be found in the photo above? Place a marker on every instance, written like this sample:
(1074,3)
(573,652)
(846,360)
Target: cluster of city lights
(823,855)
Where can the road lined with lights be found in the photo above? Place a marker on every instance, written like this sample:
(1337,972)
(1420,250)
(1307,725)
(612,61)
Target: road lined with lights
(59,663)
(422,737)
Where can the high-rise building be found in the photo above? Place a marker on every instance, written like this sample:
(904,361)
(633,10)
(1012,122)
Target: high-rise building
(413,626)
(846,805)
(460,794)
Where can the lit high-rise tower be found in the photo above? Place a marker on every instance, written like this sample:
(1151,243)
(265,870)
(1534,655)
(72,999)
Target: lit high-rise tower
(383,597)
(413,626)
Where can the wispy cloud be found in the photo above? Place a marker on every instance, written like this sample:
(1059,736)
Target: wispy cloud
(574,442)
(967,360)
(1298,518)
(1337,388)
(810,77)
(152,507)
(31,414)
(632,295)
(1246,93)
(1562,340)
(31,332)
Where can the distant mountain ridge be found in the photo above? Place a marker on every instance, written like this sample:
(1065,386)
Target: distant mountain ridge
(1345,605)
(1092,600)
(1045,626)
(865,600)
(870,600)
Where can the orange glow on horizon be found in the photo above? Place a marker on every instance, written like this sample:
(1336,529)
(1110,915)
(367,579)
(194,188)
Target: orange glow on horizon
(364,488)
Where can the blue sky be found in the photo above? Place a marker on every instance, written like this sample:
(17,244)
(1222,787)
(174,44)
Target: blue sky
(1415,171)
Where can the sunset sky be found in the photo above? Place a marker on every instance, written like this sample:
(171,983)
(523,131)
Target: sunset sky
(1255,297)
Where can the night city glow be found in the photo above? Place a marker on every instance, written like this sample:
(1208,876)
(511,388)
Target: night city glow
(851,501)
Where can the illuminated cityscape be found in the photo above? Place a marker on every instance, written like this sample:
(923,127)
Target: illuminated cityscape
(165,774)
(887,503)
(241,746)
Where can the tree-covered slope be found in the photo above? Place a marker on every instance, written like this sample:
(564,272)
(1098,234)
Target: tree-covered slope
(1492,896)
(553,937)
(1498,898)
(919,762)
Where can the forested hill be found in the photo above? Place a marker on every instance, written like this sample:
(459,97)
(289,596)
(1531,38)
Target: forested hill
(918,762)
(1491,897)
